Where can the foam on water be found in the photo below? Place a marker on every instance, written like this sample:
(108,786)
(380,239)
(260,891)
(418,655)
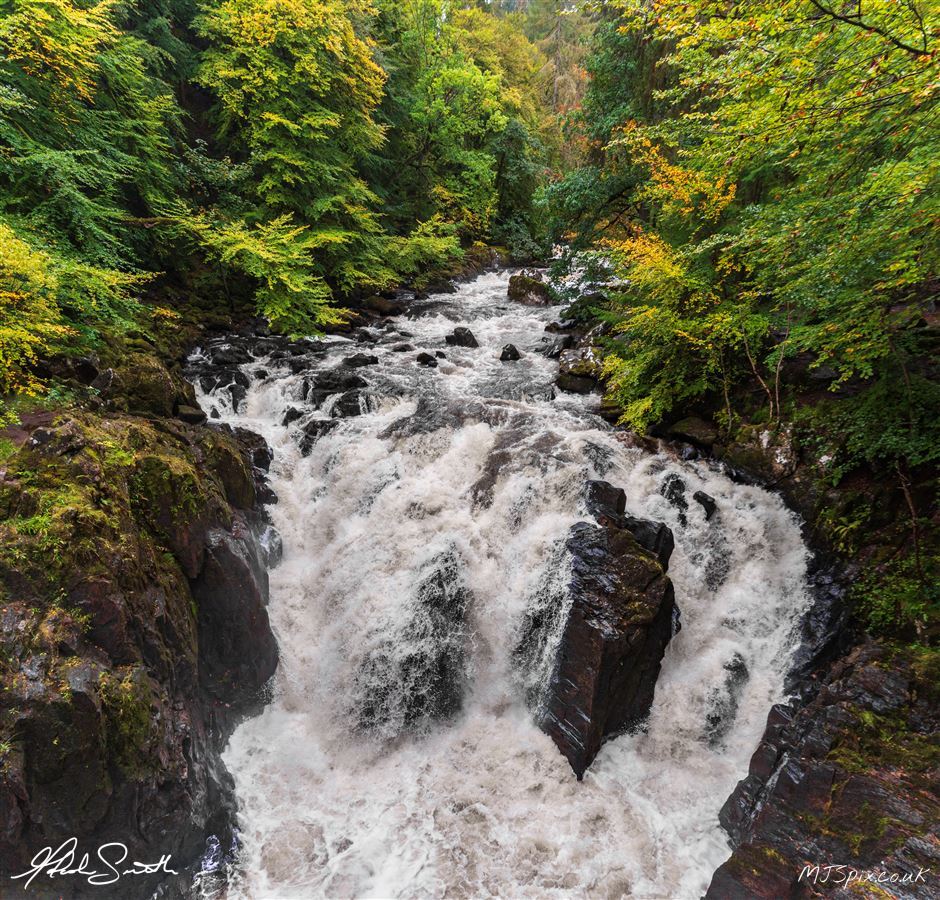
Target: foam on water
(473,463)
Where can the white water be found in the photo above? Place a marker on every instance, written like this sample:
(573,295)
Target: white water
(484,805)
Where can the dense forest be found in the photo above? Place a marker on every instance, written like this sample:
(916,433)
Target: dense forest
(761,182)
(736,205)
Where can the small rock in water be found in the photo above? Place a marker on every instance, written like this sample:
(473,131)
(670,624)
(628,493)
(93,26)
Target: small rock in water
(440,354)
(313,431)
(707,503)
(673,489)
(403,348)
(292,415)
(352,403)
(425,359)
(462,337)
(359,360)
(509,354)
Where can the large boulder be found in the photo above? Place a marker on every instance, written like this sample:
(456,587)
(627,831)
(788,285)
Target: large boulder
(621,616)
(530,290)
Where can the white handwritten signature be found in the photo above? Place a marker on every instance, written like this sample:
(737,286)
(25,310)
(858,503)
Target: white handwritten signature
(65,861)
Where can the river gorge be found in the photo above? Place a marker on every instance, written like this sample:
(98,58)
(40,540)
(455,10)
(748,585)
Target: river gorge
(401,753)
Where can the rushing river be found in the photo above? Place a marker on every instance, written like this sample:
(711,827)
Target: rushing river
(475,462)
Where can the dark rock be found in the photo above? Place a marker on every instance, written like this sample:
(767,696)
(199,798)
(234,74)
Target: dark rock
(352,403)
(382,305)
(426,359)
(653,536)
(229,356)
(604,500)
(578,370)
(673,489)
(313,431)
(847,778)
(694,430)
(706,502)
(530,290)
(619,624)
(256,449)
(360,360)
(191,414)
(231,594)
(120,694)
(509,354)
(398,691)
(723,702)
(462,337)
(555,347)
(291,415)
(440,354)
(403,348)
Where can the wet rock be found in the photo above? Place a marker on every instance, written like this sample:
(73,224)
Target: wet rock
(403,348)
(509,354)
(360,360)
(608,505)
(313,431)
(120,693)
(530,290)
(292,414)
(256,449)
(229,355)
(461,337)
(427,359)
(706,502)
(382,305)
(612,645)
(673,489)
(231,594)
(578,370)
(318,388)
(352,403)
(191,414)
(556,346)
(440,354)
(723,702)
(421,677)
(847,778)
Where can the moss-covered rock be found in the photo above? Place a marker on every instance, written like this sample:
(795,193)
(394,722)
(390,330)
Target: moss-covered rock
(117,616)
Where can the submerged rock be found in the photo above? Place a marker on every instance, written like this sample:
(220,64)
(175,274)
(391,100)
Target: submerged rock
(420,676)
(313,431)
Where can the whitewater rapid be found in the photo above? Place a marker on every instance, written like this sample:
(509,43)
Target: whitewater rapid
(476,462)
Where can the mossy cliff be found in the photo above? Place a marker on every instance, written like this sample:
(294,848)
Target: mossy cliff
(133,629)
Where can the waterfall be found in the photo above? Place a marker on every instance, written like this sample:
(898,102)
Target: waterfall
(400,756)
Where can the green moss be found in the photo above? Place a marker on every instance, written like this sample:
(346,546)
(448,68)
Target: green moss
(127,700)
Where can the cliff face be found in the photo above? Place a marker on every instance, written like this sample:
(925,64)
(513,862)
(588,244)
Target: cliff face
(133,629)
(848,780)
